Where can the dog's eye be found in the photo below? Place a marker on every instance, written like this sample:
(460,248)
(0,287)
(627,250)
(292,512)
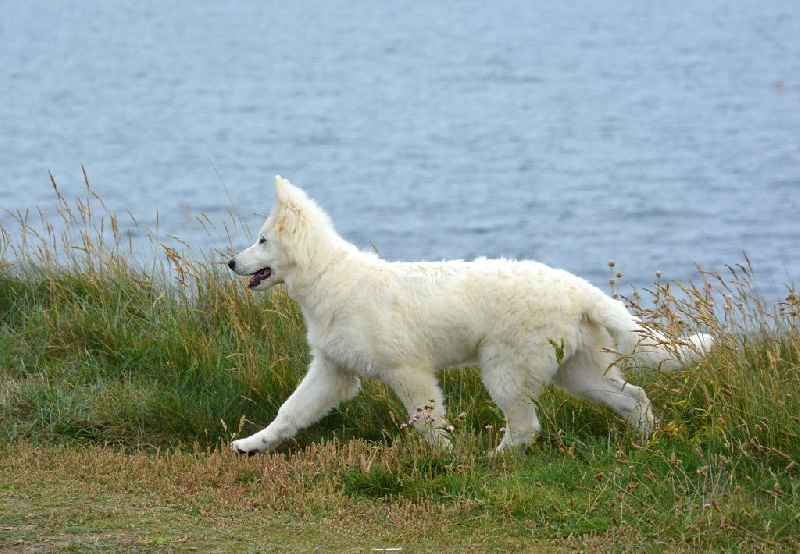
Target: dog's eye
(262,240)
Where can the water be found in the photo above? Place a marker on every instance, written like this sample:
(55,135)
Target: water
(658,136)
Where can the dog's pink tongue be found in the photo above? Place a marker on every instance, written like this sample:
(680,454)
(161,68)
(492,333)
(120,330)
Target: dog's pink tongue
(260,276)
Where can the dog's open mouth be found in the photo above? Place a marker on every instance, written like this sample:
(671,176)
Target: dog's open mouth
(259,276)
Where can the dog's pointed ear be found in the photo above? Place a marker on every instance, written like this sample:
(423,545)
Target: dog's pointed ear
(282,187)
(295,210)
(288,194)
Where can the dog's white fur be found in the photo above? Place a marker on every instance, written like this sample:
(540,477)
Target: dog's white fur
(401,322)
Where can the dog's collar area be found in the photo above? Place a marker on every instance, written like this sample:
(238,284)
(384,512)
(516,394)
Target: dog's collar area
(259,276)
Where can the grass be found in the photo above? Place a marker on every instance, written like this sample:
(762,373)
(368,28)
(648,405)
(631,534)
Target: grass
(120,386)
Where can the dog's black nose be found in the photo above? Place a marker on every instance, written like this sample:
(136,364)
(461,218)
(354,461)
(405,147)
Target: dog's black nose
(232,263)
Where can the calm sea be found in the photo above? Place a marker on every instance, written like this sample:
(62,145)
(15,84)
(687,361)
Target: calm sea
(656,134)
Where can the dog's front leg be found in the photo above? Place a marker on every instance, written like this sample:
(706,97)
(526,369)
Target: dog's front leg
(323,388)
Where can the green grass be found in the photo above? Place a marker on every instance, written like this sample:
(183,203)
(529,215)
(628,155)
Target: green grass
(120,386)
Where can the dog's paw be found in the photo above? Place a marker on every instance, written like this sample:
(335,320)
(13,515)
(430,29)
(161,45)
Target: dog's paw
(642,419)
(439,439)
(514,442)
(239,447)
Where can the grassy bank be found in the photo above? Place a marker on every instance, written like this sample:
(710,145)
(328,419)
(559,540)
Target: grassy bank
(358,496)
(120,386)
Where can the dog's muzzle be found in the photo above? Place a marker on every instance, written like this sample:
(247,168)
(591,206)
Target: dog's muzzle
(256,277)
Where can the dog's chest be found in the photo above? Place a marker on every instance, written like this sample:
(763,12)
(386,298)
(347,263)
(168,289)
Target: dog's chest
(346,351)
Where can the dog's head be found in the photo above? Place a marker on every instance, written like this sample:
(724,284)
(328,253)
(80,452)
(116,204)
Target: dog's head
(289,238)
(262,261)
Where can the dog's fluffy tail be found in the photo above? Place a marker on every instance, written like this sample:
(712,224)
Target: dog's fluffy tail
(645,344)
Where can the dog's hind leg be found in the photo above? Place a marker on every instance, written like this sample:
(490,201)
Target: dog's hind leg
(322,388)
(422,396)
(591,375)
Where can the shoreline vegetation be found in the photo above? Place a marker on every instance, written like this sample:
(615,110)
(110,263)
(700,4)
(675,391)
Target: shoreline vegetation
(121,386)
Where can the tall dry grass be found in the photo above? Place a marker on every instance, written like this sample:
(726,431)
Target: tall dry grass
(98,345)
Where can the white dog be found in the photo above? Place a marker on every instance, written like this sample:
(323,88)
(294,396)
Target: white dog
(524,323)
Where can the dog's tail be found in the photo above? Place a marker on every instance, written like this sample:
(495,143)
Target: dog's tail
(645,344)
